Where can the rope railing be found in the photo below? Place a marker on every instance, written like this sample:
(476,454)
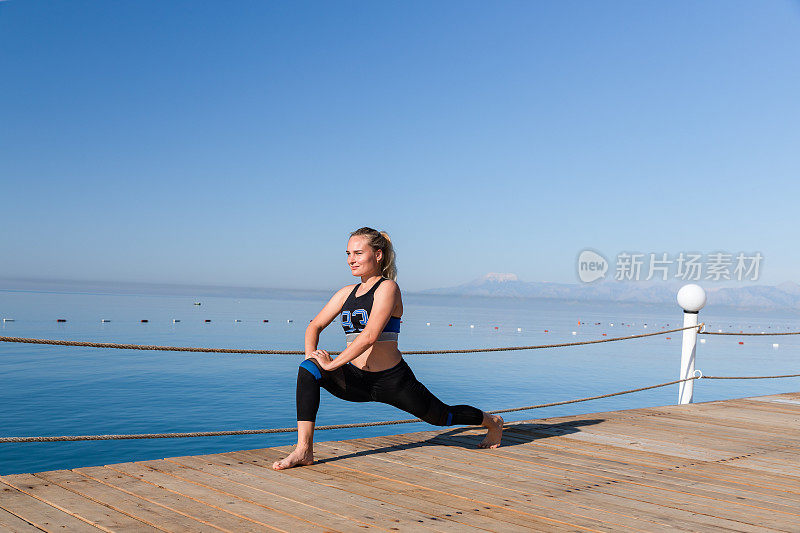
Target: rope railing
(748,334)
(119,346)
(66,438)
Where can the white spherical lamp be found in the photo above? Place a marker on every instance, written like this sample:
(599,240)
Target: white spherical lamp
(692,298)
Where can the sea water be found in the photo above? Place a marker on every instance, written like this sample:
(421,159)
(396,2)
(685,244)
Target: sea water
(54,390)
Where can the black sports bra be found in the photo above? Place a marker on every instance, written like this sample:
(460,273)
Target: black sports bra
(355,314)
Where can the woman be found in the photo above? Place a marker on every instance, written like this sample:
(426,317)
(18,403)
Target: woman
(371,368)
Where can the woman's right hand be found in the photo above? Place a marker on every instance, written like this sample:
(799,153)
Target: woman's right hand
(323,358)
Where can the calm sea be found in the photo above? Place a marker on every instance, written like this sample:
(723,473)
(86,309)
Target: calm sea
(48,390)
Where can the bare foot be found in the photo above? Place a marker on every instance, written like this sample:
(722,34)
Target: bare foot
(495,433)
(296,458)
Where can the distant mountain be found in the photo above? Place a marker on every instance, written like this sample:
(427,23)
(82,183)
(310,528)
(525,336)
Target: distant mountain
(784,296)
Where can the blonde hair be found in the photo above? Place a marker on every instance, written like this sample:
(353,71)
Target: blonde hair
(379,240)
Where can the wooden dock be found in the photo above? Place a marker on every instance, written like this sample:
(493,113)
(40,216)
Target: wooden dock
(730,465)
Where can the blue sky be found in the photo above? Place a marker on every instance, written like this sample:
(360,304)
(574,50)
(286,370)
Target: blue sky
(239,143)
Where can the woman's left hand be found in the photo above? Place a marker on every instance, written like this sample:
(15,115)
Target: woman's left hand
(324,358)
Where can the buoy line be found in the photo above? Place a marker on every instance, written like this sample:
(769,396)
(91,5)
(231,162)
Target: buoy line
(88,344)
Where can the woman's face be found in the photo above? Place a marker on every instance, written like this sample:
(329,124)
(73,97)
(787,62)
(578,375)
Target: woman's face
(361,258)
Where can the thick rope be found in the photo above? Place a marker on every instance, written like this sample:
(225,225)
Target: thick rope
(752,377)
(594,397)
(358,425)
(294,429)
(750,334)
(299,352)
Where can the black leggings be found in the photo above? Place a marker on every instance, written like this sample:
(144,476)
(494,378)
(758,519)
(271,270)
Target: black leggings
(396,386)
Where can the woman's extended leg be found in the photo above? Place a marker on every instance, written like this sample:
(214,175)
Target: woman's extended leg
(401,389)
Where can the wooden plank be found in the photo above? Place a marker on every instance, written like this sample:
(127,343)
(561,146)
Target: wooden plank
(657,487)
(678,434)
(643,444)
(713,420)
(435,517)
(85,509)
(557,486)
(259,505)
(528,494)
(11,522)
(42,515)
(149,512)
(512,504)
(320,497)
(588,484)
(678,479)
(431,503)
(616,471)
(711,470)
(200,517)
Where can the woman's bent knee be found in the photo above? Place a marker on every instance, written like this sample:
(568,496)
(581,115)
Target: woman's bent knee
(307,396)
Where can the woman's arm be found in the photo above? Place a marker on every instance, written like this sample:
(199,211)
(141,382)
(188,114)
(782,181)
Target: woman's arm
(386,296)
(324,318)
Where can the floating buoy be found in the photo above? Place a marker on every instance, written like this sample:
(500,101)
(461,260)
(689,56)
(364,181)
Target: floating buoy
(472,326)
(611,324)
(740,342)
(175,320)
(605,335)
(145,321)
(496,327)
(547,331)
(105,320)
(449,324)
(579,322)
(61,320)
(427,323)
(776,345)
(702,341)
(520,329)
(668,338)
(207,320)
(574,332)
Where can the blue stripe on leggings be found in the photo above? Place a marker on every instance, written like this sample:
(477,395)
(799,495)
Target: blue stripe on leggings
(311,367)
(449,418)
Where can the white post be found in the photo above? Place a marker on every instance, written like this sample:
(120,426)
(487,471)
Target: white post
(691,298)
